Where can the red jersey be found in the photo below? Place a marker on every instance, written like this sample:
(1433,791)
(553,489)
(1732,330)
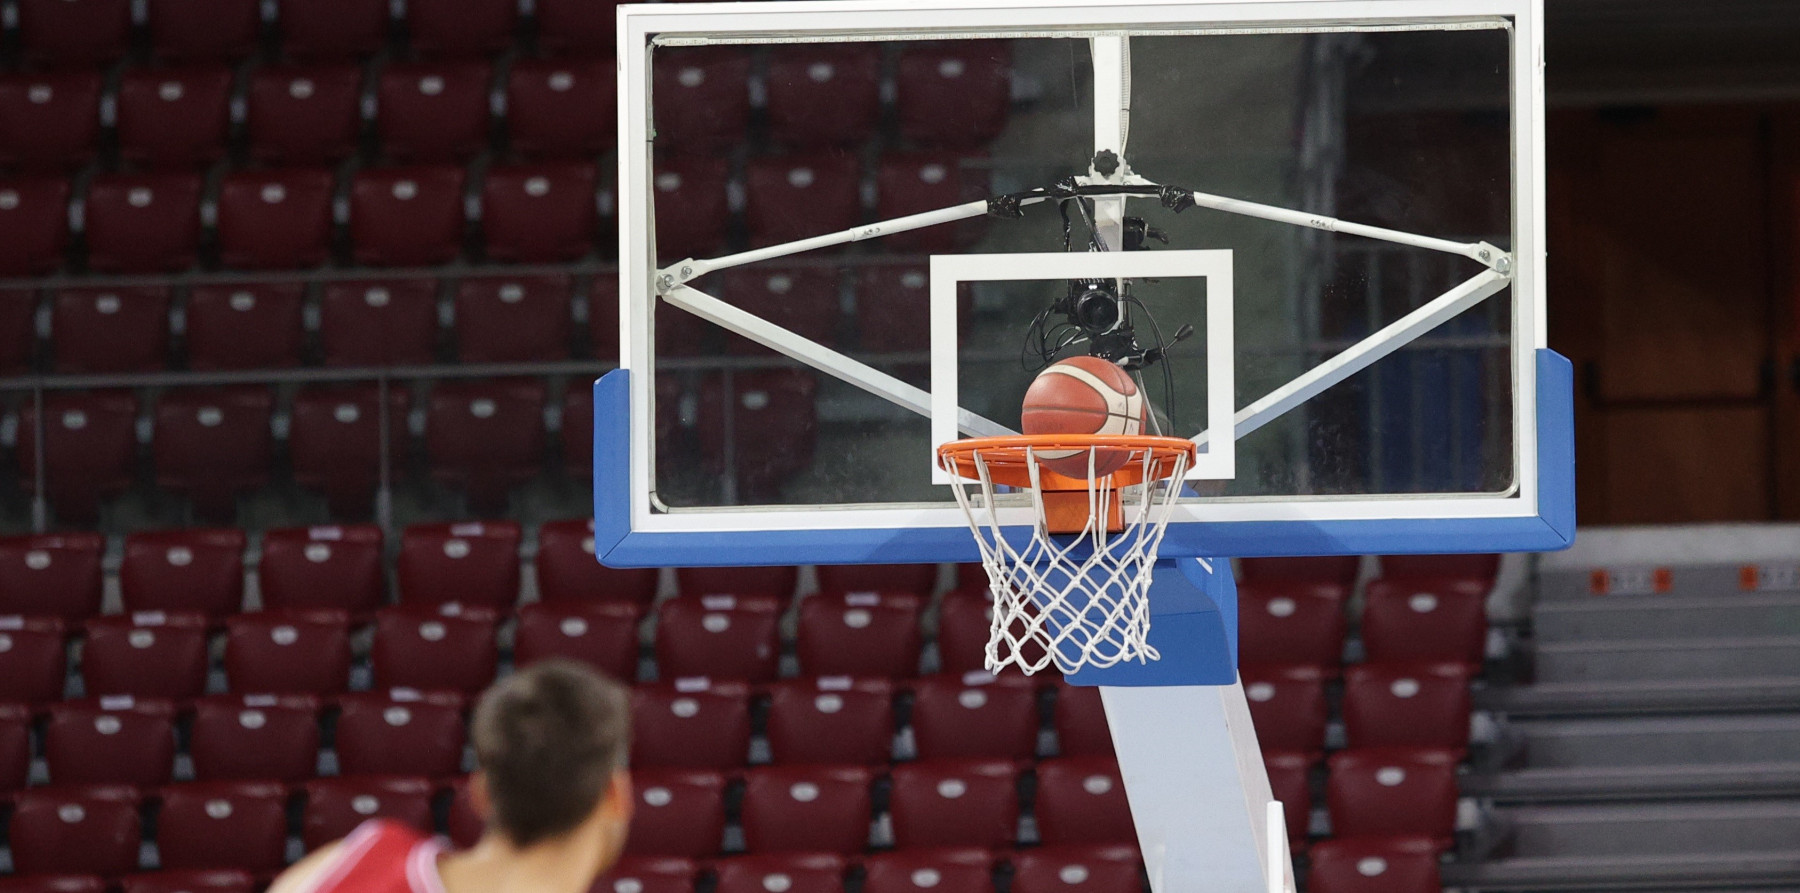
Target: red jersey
(381,856)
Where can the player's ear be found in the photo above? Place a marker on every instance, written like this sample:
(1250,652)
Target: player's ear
(619,801)
(479,799)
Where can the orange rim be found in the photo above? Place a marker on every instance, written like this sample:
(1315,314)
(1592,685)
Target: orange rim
(1008,458)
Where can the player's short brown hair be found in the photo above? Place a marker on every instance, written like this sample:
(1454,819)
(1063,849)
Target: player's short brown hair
(548,739)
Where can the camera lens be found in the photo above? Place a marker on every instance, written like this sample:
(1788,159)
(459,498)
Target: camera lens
(1097,309)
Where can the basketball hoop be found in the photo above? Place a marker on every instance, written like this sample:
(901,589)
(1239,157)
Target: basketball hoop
(1078,586)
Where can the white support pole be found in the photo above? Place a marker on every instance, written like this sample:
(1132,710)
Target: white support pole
(1481,252)
(1112,108)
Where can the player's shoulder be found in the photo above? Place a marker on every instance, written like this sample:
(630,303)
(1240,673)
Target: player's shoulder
(377,856)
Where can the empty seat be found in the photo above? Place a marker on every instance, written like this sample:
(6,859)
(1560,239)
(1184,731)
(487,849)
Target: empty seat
(202,880)
(539,213)
(205,30)
(33,661)
(719,636)
(51,119)
(789,197)
(142,223)
(1465,567)
(910,183)
(1081,800)
(1288,706)
(335,806)
(577,24)
(567,571)
(701,98)
(51,575)
(1423,705)
(962,803)
(603,635)
(457,26)
(678,813)
(1374,865)
(301,114)
(419,647)
(965,621)
(110,741)
(15,746)
(334,443)
(787,872)
(486,436)
(953,870)
(34,220)
(975,714)
(64,32)
(807,809)
(1291,623)
(648,874)
(860,634)
(199,570)
(562,107)
(275,218)
(110,329)
(432,110)
(245,325)
(385,322)
(473,563)
(325,566)
(577,434)
(774,429)
(953,93)
(214,444)
(1103,869)
(337,28)
(824,95)
(90,452)
(288,652)
(776,581)
(513,319)
(803,300)
(150,654)
(1425,619)
(692,205)
(224,824)
(406,216)
(831,720)
(1288,781)
(18,329)
(249,737)
(690,723)
(1335,570)
(63,830)
(400,733)
(1392,791)
(174,116)
(918,579)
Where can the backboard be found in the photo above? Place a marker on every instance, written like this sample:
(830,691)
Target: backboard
(851,231)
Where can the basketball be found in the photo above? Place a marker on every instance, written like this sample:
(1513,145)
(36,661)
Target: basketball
(1083,395)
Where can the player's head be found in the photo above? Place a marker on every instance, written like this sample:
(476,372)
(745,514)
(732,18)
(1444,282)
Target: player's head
(551,742)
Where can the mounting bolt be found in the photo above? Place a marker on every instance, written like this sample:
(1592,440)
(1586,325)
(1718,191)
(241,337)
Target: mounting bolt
(1504,266)
(1106,162)
(687,272)
(1484,255)
(664,283)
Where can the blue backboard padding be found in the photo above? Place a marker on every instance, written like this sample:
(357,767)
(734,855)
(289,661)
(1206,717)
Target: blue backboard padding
(1193,626)
(1553,528)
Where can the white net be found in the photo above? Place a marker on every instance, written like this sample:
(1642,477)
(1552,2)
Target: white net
(1072,600)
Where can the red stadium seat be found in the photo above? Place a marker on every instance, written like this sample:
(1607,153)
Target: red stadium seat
(209,29)
(577,24)
(807,809)
(774,431)
(34,224)
(1416,705)
(539,213)
(965,620)
(223,824)
(246,325)
(678,813)
(720,637)
(692,206)
(567,571)
(603,635)
(803,300)
(1374,865)
(51,119)
(1336,570)
(823,95)
(691,724)
(464,563)
(937,870)
(62,830)
(787,872)
(975,714)
(407,733)
(775,581)
(248,737)
(464,824)
(33,662)
(648,874)
(384,322)
(458,26)
(288,652)
(335,806)
(1288,781)
(433,110)
(486,436)
(301,114)
(18,329)
(1081,800)
(110,329)
(332,28)
(1423,619)
(406,216)
(205,880)
(90,450)
(54,883)
(51,575)
(1104,869)
(333,567)
(789,197)
(64,32)
(577,433)
(334,441)
(918,579)
(419,647)
(275,218)
(110,741)
(1470,567)
(1291,623)
(142,223)
(214,444)
(954,93)
(562,107)
(916,182)
(1288,706)
(701,98)
(15,747)
(860,634)
(174,116)
(831,720)
(1393,791)
(513,319)
(961,803)
(150,654)
(184,570)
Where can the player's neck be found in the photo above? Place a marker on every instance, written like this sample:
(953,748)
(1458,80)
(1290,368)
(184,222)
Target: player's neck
(559,866)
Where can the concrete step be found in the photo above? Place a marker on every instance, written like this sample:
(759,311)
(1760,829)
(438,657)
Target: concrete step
(1654,829)
(1599,783)
(1744,872)
(1683,658)
(1660,740)
(1716,616)
(1637,697)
